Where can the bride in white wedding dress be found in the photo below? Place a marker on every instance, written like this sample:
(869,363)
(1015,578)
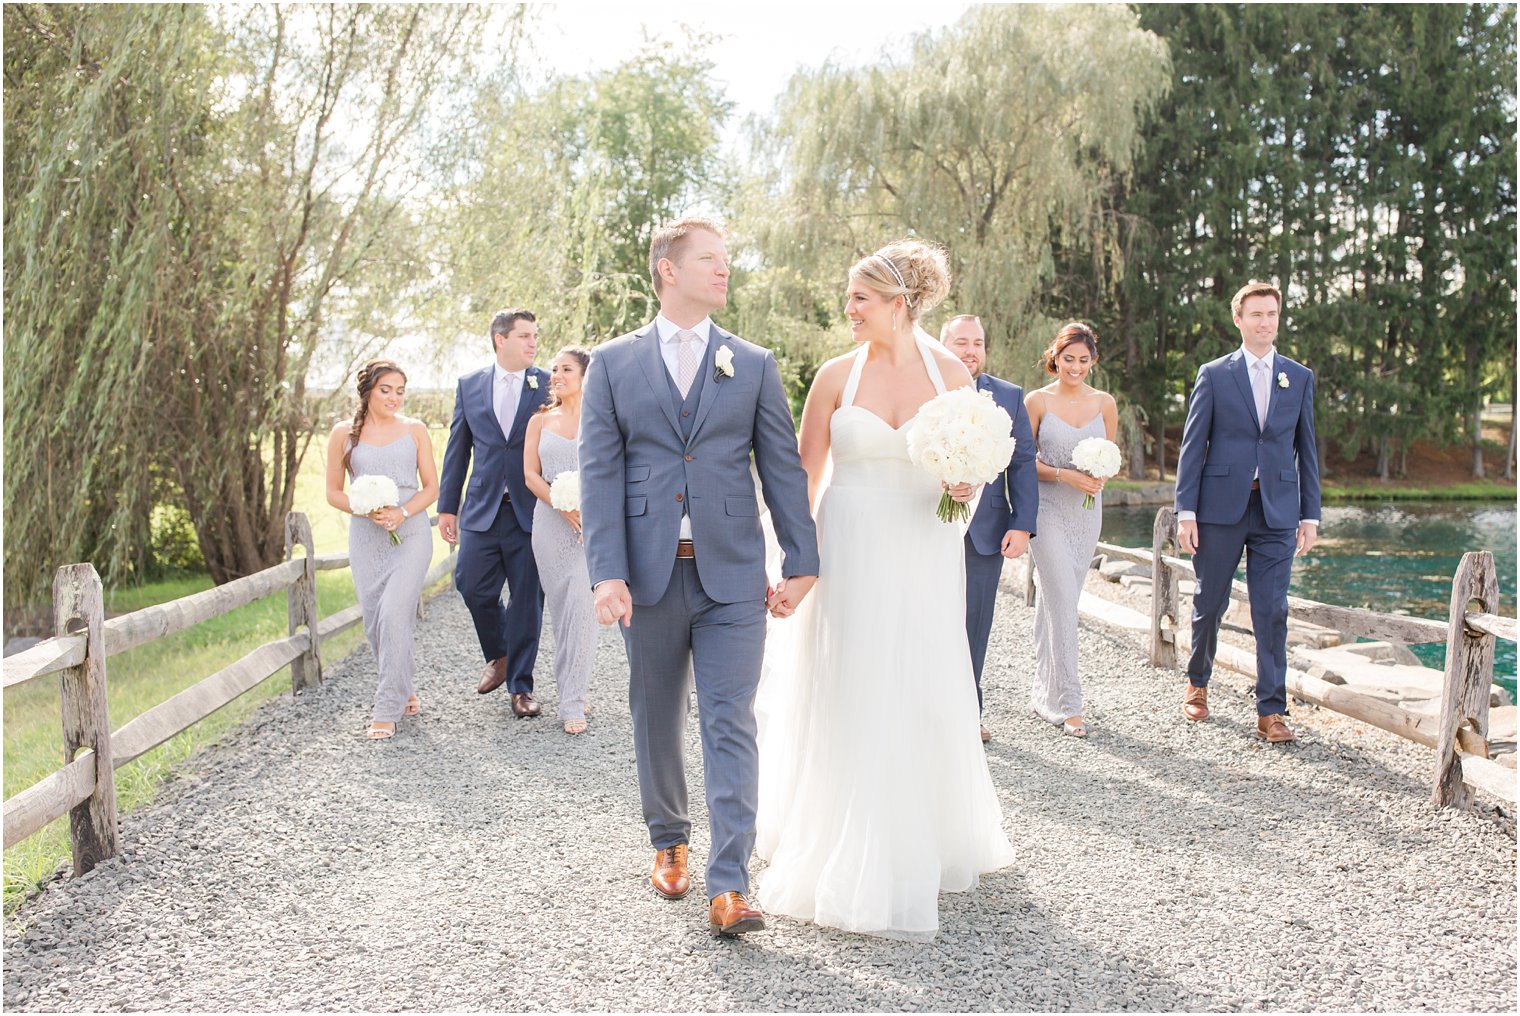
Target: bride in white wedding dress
(874,790)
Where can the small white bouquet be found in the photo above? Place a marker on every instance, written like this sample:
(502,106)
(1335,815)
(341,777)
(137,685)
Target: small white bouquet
(565,492)
(368,493)
(960,436)
(1098,457)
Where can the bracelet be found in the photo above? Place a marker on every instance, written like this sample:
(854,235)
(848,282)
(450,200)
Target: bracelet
(1058,474)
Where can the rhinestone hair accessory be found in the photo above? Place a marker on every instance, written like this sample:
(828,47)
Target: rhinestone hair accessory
(892,268)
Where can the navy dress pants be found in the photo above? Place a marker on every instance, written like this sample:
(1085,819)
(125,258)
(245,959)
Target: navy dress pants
(488,560)
(1269,566)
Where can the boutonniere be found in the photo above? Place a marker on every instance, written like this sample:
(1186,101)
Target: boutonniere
(724,361)
(1282,379)
(532,381)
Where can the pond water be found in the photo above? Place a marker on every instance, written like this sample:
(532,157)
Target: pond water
(1393,556)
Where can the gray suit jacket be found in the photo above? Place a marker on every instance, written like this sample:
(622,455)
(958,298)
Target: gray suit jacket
(638,472)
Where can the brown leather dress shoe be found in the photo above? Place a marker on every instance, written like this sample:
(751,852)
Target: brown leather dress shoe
(524,706)
(1274,729)
(986,735)
(1195,704)
(670,878)
(494,676)
(731,914)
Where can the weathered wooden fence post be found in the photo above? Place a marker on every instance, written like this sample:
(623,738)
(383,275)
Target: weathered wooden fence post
(79,609)
(1469,673)
(1163,641)
(301,600)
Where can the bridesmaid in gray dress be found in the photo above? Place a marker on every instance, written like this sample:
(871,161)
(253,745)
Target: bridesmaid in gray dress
(1062,414)
(551,446)
(387,575)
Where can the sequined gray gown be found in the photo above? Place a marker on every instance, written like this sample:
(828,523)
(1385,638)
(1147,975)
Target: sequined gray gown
(1062,552)
(567,584)
(388,577)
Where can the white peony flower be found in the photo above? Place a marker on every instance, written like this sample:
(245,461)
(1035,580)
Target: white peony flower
(367,493)
(1282,379)
(960,436)
(1097,457)
(565,492)
(723,360)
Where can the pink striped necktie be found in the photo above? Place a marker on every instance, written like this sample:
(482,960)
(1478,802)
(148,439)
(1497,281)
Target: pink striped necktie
(686,360)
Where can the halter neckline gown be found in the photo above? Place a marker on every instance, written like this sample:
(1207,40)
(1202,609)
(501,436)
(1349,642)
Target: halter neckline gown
(875,795)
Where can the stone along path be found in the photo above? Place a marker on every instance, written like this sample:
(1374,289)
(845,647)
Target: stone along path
(480,862)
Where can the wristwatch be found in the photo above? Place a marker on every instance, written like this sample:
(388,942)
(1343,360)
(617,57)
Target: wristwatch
(405,514)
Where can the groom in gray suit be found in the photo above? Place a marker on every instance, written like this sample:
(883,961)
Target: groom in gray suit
(671,415)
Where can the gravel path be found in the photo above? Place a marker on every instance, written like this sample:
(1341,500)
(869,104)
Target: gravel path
(479,862)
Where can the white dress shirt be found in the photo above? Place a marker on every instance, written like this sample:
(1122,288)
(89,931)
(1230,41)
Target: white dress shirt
(666,329)
(668,345)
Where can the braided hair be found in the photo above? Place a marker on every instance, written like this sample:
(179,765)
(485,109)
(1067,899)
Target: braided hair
(369,375)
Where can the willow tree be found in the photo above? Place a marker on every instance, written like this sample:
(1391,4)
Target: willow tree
(194,197)
(563,186)
(985,137)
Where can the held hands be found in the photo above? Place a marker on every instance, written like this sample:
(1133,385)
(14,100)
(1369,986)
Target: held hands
(788,594)
(448,527)
(614,603)
(1015,543)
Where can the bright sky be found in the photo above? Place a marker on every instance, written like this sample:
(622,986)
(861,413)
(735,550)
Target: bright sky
(758,45)
(756,49)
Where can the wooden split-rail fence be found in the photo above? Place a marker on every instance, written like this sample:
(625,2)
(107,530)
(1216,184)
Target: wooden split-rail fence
(1459,734)
(85,788)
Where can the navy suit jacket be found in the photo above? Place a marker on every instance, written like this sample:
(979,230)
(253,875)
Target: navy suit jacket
(1012,501)
(474,432)
(1223,445)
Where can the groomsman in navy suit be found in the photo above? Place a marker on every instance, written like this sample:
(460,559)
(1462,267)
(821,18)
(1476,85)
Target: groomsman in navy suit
(494,528)
(1005,518)
(1248,479)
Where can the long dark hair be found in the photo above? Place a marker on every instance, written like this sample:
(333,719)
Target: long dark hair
(582,356)
(1069,335)
(369,375)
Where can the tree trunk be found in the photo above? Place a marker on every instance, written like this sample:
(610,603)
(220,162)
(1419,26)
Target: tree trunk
(1509,460)
(1383,458)
(1477,439)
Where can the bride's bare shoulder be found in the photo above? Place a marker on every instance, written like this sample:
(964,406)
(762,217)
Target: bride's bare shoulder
(951,369)
(834,372)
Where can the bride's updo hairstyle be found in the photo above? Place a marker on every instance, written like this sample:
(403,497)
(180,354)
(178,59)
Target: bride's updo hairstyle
(917,271)
(1069,335)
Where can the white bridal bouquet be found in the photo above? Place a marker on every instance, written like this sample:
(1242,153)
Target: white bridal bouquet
(565,492)
(368,493)
(1098,457)
(960,436)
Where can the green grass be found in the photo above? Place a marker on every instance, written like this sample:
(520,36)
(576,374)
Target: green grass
(143,677)
(1372,490)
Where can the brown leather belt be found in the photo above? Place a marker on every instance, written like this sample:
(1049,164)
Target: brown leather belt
(684,548)
(506,497)
(1255,484)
